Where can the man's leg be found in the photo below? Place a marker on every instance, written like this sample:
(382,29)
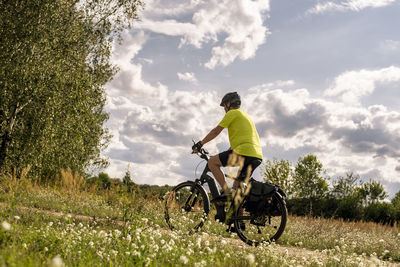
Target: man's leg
(214,164)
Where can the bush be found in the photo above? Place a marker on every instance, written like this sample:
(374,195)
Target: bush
(380,213)
(102,181)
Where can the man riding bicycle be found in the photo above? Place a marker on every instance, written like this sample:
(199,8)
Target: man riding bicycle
(245,149)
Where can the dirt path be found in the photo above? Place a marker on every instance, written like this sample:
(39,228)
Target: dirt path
(285,251)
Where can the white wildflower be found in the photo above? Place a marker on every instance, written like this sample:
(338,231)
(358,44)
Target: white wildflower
(56,261)
(102,234)
(184,259)
(117,232)
(250,258)
(189,251)
(17,217)
(198,242)
(129,238)
(127,253)
(99,253)
(136,253)
(6,226)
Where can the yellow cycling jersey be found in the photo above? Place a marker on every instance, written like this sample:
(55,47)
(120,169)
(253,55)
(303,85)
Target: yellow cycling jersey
(243,136)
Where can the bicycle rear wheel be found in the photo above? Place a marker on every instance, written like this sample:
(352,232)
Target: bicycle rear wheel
(266,227)
(186,207)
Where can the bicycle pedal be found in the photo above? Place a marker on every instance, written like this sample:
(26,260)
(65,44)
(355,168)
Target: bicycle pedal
(220,217)
(230,229)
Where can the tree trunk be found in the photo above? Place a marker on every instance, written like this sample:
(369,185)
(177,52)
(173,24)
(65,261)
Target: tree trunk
(6,138)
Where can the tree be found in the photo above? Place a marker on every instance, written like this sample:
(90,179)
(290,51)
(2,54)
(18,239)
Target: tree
(372,192)
(127,179)
(345,194)
(54,62)
(101,181)
(396,200)
(396,206)
(278,172)
(307,180)
(345,187)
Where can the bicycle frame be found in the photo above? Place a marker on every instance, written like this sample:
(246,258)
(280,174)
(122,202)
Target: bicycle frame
(205,178)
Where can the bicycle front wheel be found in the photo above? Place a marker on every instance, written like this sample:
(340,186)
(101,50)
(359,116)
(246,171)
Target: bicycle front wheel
(265,227)
(186,207)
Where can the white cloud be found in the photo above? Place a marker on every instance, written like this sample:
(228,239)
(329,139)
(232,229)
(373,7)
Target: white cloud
(241,21)
(170,8)
(129,78)
(349,5)
(187,76)
(353,85)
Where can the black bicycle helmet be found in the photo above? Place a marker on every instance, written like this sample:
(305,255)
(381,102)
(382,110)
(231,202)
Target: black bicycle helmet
(233,98)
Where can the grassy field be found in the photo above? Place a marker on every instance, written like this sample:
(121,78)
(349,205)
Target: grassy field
(65,225)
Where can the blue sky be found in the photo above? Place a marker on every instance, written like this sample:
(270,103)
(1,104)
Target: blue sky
(319,77)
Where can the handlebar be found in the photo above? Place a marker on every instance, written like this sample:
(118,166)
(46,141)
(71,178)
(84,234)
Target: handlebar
(202,153)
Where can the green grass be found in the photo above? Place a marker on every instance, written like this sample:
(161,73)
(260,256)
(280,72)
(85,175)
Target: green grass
(122,229)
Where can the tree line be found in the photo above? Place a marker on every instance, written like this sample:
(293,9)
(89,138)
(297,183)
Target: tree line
(54,63)
(346,197)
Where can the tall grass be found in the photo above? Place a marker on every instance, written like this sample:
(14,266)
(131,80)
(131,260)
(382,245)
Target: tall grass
(71,181)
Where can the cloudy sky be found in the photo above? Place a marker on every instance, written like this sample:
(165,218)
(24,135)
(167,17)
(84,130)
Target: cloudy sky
(317,76)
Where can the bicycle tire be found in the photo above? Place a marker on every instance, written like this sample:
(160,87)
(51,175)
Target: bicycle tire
(186,207)
(274,225)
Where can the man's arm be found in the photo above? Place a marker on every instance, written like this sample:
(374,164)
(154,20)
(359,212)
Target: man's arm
(212,134)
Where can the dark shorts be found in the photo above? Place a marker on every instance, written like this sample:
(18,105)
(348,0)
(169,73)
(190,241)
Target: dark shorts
(229,158)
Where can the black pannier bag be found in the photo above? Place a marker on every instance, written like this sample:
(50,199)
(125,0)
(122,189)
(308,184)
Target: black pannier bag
(257,198)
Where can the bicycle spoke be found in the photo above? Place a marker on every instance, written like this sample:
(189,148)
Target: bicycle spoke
(254,229)
(186,208)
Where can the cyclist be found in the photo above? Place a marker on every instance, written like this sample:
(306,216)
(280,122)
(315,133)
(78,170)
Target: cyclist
(245,148)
